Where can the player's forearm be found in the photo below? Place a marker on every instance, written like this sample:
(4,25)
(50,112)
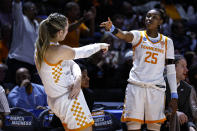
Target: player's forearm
(86,51)
(124,35)
(171,76)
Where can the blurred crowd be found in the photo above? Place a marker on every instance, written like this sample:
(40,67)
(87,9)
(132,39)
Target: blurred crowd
(19,22)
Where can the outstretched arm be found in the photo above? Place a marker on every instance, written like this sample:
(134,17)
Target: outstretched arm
(54,54)
(88,50)
(124,35)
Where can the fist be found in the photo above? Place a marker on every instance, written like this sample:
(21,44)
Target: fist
(104,47)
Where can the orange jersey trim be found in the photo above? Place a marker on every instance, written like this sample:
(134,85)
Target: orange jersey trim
(78,129)
(131,119)
(156,121)
(150,40)
(142,121)
(137,44)
(166,41)
(45,60)
(139,41)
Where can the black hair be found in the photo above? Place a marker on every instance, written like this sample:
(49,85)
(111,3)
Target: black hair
(162,13)
(69,6)
(27,5)
(82,66)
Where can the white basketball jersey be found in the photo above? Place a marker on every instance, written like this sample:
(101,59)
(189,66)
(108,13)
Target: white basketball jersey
(56,78)
(149,57)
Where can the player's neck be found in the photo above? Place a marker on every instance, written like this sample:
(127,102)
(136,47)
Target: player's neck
(54,40)
(152,33)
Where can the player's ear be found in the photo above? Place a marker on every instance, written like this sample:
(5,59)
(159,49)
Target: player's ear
(161,22)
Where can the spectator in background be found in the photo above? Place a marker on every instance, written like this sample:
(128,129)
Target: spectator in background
(3,69)
(25,32)
(77,28)
(178,35)
(193,80)
(184,113)
(7,86)
(4,106)
(5,42)
(132,20)
(5,28)
(88,93)
(6,20)
(27,94)
(190,57)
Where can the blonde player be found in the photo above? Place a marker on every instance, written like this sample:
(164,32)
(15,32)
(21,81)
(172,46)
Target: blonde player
(145,93)
(60,75)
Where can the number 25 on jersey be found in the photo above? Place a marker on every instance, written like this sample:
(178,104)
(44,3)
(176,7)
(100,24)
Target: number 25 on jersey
(151,57)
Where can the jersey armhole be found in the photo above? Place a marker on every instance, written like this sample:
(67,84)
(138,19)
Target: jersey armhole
(166,46)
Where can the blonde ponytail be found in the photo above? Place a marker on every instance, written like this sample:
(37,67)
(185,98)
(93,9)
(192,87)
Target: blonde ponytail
(42,42)
(48,30)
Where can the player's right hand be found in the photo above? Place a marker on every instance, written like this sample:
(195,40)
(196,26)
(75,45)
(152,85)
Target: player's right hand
(107,25)
(74,89)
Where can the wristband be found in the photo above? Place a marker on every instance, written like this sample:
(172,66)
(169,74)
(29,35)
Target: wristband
(112,28)
(115,31)
(174,95)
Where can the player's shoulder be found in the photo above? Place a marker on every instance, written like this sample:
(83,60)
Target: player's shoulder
(167,37)
(169,40)
(137,32)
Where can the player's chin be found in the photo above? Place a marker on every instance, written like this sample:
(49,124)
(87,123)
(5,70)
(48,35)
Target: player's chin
(149,26)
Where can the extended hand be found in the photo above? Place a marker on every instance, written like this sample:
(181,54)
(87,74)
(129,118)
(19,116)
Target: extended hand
(107,25)
(75,89)
(104,47)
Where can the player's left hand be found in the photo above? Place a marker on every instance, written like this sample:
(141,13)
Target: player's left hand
(75,89)
(173,105)
(104,47)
